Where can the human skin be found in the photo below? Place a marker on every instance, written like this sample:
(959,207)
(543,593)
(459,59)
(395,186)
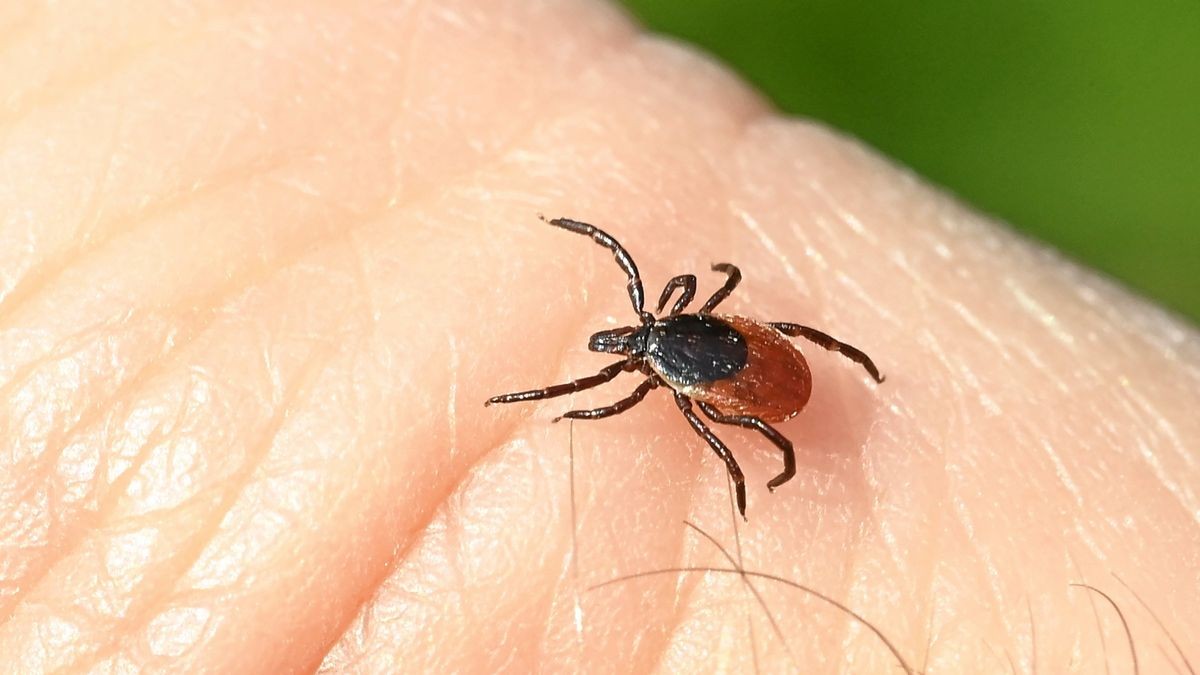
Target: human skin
(262,262)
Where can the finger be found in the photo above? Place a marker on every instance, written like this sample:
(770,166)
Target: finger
(325,293)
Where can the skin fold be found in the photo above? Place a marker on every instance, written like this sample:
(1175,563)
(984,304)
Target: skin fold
(262,262)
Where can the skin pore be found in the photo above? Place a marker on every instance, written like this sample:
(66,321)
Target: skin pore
(262,262)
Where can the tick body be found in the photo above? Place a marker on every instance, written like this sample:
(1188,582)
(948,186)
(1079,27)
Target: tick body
(735,364)
(738,371)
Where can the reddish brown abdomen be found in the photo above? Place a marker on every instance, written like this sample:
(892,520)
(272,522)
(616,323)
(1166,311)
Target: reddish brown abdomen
(775,383)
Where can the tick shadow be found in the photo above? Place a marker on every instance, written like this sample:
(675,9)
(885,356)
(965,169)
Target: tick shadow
(831,435)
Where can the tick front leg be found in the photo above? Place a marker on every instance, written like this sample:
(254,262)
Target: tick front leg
(832,344)
(624,260)
(772,434)
(732,279)
(735,471)
(616,408)
(685,281)
(571,387)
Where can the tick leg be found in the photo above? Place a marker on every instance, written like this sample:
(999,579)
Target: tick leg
(685,281)
(830,343)
(608,373)
(616,408)
(735,471)
(773,435)
(624,260)
(732,280)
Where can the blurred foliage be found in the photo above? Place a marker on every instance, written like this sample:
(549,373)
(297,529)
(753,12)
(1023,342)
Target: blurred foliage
(1078,122)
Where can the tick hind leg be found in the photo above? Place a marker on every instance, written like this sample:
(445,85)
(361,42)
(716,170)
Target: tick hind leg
(772,434)
(732,279)
(616,408)
(735,471)
(832,344)
(606,374)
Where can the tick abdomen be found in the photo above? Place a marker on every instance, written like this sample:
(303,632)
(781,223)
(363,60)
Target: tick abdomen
(740,366)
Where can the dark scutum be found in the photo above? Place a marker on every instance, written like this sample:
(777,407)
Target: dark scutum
(692,349)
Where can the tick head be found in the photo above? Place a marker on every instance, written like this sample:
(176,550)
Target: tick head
(627,340)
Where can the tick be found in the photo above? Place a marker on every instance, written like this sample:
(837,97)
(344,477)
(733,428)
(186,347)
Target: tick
(738,371)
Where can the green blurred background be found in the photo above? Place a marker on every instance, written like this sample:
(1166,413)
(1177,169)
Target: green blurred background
(1077,122)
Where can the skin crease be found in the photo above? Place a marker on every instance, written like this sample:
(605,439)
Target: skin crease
(262,262)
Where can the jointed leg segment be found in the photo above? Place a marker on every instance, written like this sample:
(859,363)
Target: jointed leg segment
(735,471)
(685,281)
(616,408)
(605,374)
(733,278)
(624,260)
(772,434)
(832,344)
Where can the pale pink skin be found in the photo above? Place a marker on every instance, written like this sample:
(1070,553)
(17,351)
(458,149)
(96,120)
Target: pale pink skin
(262,262)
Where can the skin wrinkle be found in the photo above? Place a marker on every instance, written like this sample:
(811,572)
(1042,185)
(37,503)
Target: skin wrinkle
(472,522)
(250,168)
(235,286)
(221,292)
(684,597)
(361,610)
(687,588)
(163,579)
(154,366)
(566,578)
(9,603)
(1181,492)
(452,488)
(366,622)
(69,545)
(938,523)
(1160,422)
(71,345)
(87,223)
(282,264)
(929,640)
(769,244)
(754,592)
(136,619)
(58,91)
(59,85)
(985,570)
(1154,465)
(52,267)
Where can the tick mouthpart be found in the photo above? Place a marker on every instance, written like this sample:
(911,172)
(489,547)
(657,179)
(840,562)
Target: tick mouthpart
(615,341)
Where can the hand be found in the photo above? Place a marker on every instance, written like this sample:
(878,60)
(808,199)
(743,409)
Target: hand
(262,265)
